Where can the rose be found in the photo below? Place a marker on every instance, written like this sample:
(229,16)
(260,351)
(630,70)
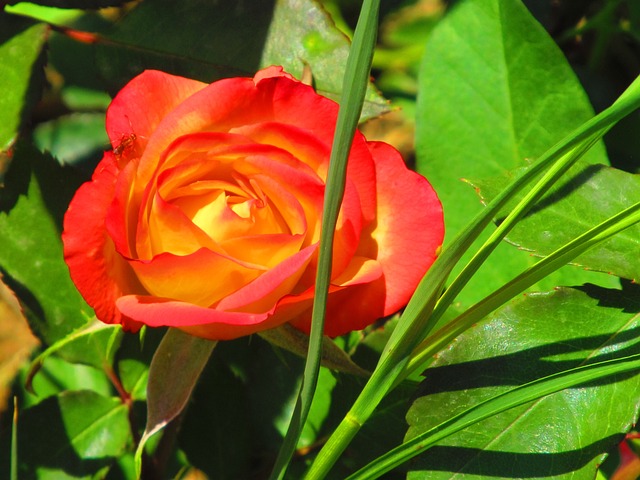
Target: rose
(206,214)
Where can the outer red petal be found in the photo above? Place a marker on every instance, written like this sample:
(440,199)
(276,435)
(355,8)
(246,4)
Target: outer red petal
(98,271)
(235,102)
(142,104)
(348,309)
(409,228)
(199,321)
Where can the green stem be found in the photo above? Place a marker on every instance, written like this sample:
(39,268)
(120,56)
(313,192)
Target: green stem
(14,441)
(352,98)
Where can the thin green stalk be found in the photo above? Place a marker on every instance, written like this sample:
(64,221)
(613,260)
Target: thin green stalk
(500,403)
(353,92)
(14,441)
(415,323)
(612,226)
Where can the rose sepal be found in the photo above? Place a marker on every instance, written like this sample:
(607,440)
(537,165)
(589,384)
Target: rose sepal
(332,357)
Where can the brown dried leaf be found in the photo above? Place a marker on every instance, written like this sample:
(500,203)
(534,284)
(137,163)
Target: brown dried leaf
(16,341)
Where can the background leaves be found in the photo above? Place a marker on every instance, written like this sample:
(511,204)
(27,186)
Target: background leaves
(21,41)
(564,435)
(514,96)
(86,432)
(234,40)
(32,204)
(583,200)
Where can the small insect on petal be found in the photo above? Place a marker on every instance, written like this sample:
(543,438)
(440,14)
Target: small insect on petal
(126,142)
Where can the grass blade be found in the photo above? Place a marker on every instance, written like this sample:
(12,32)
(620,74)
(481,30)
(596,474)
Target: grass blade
(14,441)
(352,99)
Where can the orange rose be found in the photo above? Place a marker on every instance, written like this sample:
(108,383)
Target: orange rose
(206,214)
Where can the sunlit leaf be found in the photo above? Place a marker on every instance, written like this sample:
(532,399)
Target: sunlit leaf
(535,336)
(301,33)
(576,205)
(21,42)
(73,138)
(94,344)
(57,376)
(495,92)
(86,4)
(73,435)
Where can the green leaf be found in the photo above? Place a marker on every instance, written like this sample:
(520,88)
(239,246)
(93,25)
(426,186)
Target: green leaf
(577,204)
(301,33)
(36,194)
(564,435)
(51,15)
(21,42)
(208,41)
(73,138)
(57,375)
(84,4)
(175,369)
(94,344)
(73,435)
(133,359)
(495,90)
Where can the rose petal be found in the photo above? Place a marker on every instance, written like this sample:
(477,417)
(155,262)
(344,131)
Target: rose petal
(301,144)
(120,220)
(233,102)
(169,230)
(199,321)
(409,229)
(281,179)
(201,278)
(266,250)
(142,104)
(98,271)
(270,72)
(360,270)
(265,291)
(404,240)
(177,226)
(348,309)
(352,303)
(315,152)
